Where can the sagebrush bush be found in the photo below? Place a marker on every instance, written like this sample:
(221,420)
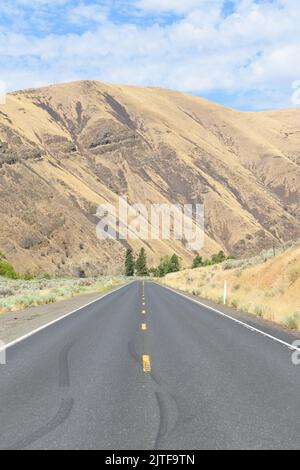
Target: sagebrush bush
(20,294)
(293,321)
(28,276)
(259,311)
(5,292)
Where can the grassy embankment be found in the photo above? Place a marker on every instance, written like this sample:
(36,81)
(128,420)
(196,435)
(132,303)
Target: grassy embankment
(265,286)
(17,292)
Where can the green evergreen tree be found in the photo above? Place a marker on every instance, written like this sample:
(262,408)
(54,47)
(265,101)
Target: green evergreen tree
(168,265)
(129,263)
(174,264)
(163,267)
(141,263)
(197,262)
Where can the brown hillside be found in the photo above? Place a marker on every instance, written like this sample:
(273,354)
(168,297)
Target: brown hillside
(66,149)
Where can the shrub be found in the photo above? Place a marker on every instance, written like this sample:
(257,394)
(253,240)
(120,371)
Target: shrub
(293,321)
(196,292)
(234,303)
(46,276)
(197,262)
(245,308)
(218,258)
(28,276)
(259,311)
(6,292)
(7,270)
(49,298)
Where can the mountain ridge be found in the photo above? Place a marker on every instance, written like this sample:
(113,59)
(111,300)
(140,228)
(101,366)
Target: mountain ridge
(65,149)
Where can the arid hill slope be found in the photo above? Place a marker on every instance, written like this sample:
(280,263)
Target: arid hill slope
(66,149)
(265,286)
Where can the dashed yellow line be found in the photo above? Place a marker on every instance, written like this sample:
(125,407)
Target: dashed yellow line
(146,364)
(144,326)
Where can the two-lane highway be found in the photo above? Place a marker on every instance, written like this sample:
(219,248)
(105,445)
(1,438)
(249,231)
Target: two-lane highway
(145,368)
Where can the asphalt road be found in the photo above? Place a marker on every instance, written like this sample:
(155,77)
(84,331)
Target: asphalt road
(191,380)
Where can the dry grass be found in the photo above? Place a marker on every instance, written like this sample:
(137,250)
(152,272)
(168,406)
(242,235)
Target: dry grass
(268,289)
(17,295)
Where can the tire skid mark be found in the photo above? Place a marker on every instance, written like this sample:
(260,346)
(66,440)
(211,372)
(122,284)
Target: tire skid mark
(134,354)
(163,421)
(64,410)
(61,416)
(64,371)
(164,399)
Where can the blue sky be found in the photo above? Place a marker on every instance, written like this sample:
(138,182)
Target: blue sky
(241,53)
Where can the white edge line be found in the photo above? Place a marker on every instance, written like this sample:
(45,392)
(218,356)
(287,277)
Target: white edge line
(41,328)
(245,325)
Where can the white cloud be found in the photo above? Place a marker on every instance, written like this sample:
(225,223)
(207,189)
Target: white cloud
(252,54)
(91,13)
(177,6)
(38,3)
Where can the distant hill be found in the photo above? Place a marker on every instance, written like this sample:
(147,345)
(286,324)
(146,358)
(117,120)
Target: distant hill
(67,148)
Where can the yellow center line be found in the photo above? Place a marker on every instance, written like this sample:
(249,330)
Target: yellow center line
(146,363)
(143,312)
(144,326)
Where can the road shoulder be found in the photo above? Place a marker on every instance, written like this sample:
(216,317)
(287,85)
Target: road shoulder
(14,325)
(266,326)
